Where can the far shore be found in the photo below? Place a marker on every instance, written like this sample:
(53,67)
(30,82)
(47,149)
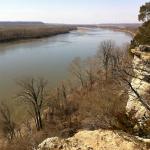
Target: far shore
(126,31)
(127,28)
(17,33)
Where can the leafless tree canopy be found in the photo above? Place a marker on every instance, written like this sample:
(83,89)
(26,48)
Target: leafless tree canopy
(33,92)
(77,70)
(6,121)
(104,53)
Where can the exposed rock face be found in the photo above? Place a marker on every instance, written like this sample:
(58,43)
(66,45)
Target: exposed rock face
(94,140)
(141,83)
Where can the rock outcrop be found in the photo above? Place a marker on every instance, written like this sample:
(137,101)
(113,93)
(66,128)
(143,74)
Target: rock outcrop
(94,140)
(136,110)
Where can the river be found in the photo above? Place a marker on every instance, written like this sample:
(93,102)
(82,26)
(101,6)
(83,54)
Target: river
(49,57)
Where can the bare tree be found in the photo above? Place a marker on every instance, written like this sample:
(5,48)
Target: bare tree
(125,71)
(91,69)
(33,92)
(104,54)
(77,70)
(120,63)
(6,121)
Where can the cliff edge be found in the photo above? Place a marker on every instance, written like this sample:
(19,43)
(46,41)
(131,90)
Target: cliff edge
(94,140)
(139,103)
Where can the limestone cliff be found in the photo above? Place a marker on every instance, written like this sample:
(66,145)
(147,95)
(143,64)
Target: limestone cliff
(141,83)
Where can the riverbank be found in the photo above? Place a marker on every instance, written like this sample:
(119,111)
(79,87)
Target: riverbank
(132,33)
(15,33)
(127,28)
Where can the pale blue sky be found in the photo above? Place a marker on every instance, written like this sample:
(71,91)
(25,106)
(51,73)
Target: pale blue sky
(71,11)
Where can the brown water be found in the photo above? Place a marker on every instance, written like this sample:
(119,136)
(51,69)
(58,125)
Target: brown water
(49,57)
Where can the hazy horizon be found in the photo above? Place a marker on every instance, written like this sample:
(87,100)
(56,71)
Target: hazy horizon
(71,12)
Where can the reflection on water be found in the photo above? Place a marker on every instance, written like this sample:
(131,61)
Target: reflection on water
(49,57)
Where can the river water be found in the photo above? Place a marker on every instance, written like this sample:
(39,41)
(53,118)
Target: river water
(49,57)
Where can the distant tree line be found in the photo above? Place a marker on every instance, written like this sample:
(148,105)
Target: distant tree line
(11,33)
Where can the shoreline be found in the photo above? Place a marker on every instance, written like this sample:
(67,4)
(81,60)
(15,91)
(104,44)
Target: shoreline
(125,30)
(117,29)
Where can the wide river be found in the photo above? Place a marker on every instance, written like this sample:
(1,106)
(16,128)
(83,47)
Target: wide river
(49,57)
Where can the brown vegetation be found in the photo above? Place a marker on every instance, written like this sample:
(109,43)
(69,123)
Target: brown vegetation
(33,93)
(21,32)
(7,123)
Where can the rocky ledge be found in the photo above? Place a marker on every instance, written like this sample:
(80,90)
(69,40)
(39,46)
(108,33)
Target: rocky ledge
(138,113)
(94,140)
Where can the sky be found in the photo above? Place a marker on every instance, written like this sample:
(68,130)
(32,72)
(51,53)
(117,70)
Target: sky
(71,11)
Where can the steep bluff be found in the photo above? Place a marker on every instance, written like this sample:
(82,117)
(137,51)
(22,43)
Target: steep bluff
(138,103)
